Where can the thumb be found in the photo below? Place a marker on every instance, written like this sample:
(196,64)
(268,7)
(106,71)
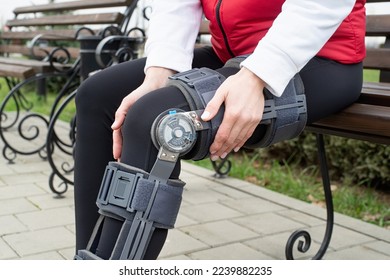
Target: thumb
(213,106)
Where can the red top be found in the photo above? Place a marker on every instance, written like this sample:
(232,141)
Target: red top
(238,26)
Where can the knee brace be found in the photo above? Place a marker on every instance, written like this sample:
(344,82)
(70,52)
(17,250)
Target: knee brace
(285,117)
(142,201)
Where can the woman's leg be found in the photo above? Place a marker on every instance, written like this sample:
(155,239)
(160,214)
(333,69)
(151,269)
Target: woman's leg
(330,86)
(97,100)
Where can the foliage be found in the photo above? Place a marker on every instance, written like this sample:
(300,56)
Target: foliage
(360,161)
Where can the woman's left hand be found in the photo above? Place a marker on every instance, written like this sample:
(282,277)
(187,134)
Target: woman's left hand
(243,97)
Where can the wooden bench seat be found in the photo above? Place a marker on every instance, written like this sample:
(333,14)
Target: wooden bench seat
(18,71)
(368,119)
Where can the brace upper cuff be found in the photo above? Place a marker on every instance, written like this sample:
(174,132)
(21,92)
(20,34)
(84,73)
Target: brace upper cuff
(198,86)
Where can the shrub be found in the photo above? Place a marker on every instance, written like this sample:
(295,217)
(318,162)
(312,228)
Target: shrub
(360,161)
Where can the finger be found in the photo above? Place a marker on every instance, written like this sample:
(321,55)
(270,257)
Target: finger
(240,144)
(223,135)
(117,143)
(120,115)
(213,106)
(237,135)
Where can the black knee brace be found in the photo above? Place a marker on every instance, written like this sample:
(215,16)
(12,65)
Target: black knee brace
(144,201)
(285,117)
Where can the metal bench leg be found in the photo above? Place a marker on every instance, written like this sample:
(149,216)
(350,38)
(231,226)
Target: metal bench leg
(303,246)
(222,167)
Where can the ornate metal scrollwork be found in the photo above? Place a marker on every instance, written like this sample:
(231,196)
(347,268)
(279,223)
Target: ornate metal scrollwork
(22,130)
(222,167)
(60,149)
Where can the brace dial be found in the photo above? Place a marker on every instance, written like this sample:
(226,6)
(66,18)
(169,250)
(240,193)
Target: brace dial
(176,132)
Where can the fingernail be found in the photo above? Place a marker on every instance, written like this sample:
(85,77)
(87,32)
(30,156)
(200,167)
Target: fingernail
(236,149)
(214,158)
(223,155)
(205,115)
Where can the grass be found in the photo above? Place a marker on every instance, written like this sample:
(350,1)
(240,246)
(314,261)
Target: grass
(304,183)
(41,105)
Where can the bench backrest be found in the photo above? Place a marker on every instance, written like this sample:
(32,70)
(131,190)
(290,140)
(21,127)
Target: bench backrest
(378,58)
(60,22)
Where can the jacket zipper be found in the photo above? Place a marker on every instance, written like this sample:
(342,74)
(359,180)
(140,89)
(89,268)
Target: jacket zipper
(218,16)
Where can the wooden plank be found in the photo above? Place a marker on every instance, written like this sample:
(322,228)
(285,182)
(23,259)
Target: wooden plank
(24,50)
(204,27)
(375,94)
(359,118)
(71,5)
(378,25)
(50,35)
(377,59)
(38,64)
(17,71)
(103,18)
(377,139)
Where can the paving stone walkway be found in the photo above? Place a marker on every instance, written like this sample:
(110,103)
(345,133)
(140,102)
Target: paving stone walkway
(219,219)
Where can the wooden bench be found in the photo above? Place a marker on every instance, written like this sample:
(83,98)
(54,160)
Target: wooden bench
(42,45)
(53,24)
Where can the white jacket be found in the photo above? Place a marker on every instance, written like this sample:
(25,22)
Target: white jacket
(297,34)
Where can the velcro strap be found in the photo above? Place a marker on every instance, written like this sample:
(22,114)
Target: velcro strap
(287,115)
(166,204)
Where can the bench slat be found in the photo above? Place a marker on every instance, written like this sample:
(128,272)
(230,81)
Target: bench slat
(362,121)
(51,35)
(24,50)
(377,59)
(17,71)
(378,25)
(36,65)
(103,18)
(72,5)
(375,94)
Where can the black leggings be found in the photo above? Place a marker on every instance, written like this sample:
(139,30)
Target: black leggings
(329,87)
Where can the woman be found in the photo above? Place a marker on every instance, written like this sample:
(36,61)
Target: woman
(323,41)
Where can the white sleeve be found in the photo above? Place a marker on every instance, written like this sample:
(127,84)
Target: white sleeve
(173,28)
(297,35)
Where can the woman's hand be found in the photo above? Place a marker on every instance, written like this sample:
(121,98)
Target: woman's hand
(243,96)
(156,77)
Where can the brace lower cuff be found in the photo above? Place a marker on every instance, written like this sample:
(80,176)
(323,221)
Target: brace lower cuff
(126,190)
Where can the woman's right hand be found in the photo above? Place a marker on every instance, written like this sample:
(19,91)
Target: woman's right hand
(155,78)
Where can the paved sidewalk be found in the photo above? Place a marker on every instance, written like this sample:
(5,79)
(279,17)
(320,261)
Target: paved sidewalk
(219,219)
